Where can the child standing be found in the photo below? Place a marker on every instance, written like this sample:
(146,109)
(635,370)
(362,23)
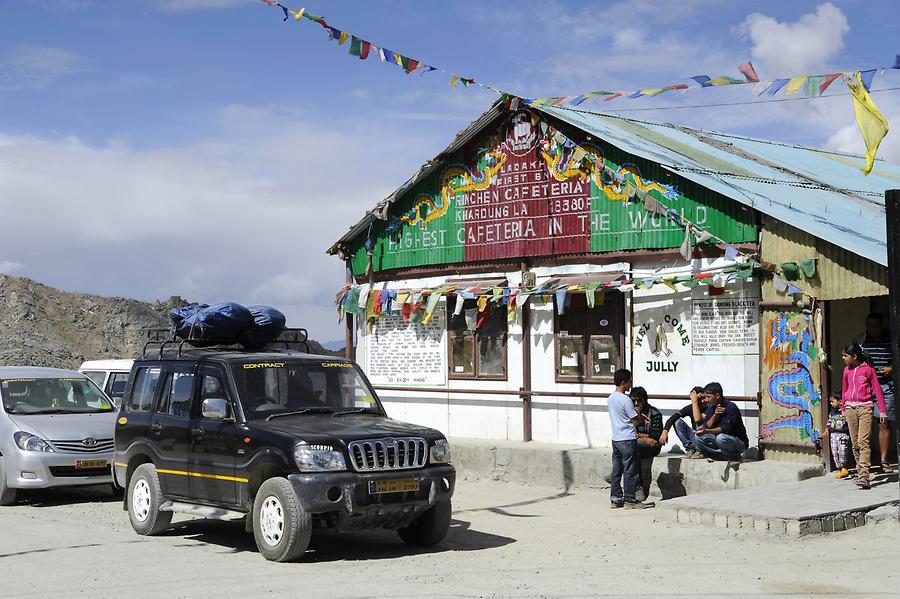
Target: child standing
(859,387)
(839,436)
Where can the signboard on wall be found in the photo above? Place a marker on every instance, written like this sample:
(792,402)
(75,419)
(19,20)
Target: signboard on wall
(406,353)
(725,325)
(512,193)
(662,339)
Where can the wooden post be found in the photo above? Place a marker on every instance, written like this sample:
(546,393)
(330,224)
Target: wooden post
(526,366)
(892,214)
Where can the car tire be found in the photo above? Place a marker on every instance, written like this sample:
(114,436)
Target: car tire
(7,494)
(144,499)
(281,527)
(430,528)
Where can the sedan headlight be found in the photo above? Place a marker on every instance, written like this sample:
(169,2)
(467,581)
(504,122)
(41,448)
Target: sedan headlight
(313,458)
(29,442)
(440,452)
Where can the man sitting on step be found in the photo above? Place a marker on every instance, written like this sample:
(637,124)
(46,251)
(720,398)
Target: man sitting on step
(695,411)
(722,435)
(648,433)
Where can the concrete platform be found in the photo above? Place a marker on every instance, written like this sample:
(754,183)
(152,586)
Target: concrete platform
(569,467)
(795,509)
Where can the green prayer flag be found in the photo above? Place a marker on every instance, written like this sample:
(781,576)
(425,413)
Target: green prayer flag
(808,268)
(355,46)
(790,270)
(691,283)
(812,85)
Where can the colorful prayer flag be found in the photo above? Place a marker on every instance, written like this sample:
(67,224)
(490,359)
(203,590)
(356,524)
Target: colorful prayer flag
(364,51)
(703,80)
(411,64)
(725,80)
(356,46)
(812,85)
(829,79)
(872,123)
(343,37)
(776,86)
(866,77)
(794,85)
(749,73)
(454,79)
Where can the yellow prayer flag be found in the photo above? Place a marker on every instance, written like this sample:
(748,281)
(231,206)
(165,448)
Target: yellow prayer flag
(298,14)
(482,303)
(343,37)
(651,92)
(454,79)
(872,123)
(794,85)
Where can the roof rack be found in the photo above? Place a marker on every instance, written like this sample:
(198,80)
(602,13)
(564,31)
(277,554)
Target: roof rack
(163,337)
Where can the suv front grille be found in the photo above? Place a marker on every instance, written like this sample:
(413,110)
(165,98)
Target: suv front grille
(71,471)
(78,446)
(375,455)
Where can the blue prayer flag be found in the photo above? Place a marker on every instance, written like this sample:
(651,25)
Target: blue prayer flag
(866,77)
(776,86)
(896,62)
(702,80)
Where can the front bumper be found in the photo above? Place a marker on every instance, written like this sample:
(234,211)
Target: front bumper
(42,470)
(346,496)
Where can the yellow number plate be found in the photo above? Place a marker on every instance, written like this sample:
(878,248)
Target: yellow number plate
(88,464)
(393,486)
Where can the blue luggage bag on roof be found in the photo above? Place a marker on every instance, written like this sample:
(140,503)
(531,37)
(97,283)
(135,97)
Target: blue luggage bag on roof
(268,323)
(220,324)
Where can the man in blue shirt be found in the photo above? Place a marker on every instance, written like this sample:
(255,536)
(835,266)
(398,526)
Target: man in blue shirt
(623,419)
(721,435)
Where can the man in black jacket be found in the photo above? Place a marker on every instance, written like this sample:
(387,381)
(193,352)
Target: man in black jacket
(695,411)
(648,433)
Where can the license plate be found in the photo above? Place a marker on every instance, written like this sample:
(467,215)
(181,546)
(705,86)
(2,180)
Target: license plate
(393,486)
(90,464)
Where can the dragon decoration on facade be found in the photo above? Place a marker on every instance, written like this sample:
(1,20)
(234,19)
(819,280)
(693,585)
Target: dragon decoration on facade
(788,354)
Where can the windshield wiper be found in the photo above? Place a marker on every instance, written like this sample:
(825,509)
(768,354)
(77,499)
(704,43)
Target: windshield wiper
(358,411)
(315,410)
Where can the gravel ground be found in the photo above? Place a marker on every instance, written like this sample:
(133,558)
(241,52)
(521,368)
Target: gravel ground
(505,540)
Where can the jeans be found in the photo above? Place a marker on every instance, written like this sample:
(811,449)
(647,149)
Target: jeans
(625,464)
(859,421)
(715,447)
(645,466)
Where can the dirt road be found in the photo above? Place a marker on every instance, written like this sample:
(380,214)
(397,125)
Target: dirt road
(505,541)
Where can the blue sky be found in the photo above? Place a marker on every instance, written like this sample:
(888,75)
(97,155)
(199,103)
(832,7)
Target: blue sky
(207,149)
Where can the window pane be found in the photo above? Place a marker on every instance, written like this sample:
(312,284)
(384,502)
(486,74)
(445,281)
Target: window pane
(163,407)
(491,357)
(571,356)
(605,356)
(572,322)
(495,323)
(96,376)
(144,389)
(117,383)
(182,393)
(462,353)
(607,319)
(459,322)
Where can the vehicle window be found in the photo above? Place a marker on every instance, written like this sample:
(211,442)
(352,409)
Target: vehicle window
(211,387)
(270,388)
(115,387)
(98,376)
(182,391)
(53,396)
(145,383)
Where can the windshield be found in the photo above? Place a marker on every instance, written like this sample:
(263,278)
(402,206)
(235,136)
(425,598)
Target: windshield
(272,388)
(53,396)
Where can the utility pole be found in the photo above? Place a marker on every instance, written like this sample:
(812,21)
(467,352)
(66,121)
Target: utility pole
(892,214)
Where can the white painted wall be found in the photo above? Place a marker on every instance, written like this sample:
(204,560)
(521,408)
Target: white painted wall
(556,419)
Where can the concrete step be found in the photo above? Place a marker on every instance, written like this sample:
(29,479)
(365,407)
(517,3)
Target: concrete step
(569,467)
(795,509)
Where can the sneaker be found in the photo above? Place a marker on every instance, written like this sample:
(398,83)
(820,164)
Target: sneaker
(637,505)
(888,468)
(842,473)
(694,455)
(864,484)
(614,505)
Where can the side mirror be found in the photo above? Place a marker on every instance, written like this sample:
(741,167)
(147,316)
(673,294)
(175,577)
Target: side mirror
(215,408)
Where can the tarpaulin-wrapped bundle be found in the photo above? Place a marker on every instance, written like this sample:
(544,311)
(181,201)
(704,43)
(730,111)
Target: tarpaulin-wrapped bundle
(220,324)
(268,323)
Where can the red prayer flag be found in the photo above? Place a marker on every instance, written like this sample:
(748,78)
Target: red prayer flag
(612,97)
(748,72)
(715,290)
(364,51)
(829,79)
(411,65)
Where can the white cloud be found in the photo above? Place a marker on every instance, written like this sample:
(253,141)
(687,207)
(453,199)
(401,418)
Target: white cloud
(246,215)
(35,67)
(804,46)
(10,266)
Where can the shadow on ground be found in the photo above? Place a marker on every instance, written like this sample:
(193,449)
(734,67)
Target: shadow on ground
(329,546)
(66,496)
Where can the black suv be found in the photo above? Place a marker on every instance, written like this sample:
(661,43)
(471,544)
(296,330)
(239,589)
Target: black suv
(287,440)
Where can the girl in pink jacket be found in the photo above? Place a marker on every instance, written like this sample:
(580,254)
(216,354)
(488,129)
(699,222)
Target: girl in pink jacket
(859,388)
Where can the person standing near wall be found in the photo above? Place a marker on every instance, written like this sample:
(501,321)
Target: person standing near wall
(876,344)
(859,386)
(624,419)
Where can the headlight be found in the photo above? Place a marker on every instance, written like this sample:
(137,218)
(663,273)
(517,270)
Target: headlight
(312,458)
(30,442)
(440,452)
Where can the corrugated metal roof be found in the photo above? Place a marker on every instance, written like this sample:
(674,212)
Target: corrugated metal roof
(813,196)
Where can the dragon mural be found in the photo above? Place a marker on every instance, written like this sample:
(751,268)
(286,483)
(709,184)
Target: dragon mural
(790,385)
(567,162)
(456,178)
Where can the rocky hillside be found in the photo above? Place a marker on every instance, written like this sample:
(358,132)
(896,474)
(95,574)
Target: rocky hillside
(43,326)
